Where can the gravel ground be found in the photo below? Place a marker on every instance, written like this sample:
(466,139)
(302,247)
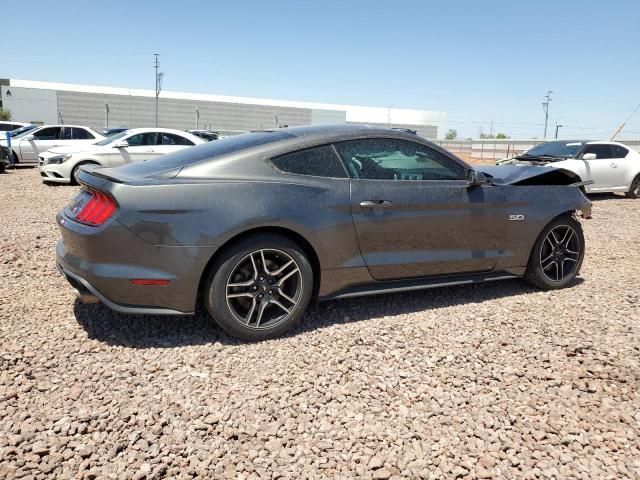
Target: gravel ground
(487,381)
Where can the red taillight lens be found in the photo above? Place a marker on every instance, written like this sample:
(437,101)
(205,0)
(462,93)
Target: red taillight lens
(98,209)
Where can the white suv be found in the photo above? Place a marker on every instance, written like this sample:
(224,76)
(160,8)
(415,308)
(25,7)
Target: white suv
(612,166)
(60,165)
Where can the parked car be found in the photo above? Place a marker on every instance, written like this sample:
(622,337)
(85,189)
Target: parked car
(60,165)
(258,224)
(205,134)
(112,131)
(612,166)
(28,145)
(7,126)
(5,153)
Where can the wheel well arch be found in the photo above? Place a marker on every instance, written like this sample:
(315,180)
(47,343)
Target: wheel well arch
(285,232)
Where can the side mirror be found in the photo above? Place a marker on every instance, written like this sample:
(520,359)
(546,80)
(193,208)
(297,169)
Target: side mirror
(475,177)
(29,138)
(121,144)
(589,156)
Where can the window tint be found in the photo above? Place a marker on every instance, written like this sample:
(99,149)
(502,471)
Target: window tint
(318,162)
(143,139)
(51,133)
(619,151)
(81,134)
(383,158)
(601,151)
(171,139)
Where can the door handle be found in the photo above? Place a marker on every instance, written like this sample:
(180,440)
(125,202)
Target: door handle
(375,203)
(613,165)
(150,150)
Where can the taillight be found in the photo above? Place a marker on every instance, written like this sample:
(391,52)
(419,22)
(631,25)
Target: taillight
(98,209)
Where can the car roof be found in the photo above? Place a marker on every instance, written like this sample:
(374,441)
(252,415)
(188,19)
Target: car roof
(333,130)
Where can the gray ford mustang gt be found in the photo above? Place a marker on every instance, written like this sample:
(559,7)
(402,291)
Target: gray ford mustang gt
(257,225)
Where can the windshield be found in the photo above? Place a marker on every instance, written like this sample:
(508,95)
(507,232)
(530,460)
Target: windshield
(112,138)
(555,149)
(21,131)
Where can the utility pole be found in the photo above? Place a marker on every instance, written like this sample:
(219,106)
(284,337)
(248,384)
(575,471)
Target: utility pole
(389,115)
(557,128)
(159,76)
(106,107)
(197,118)
(545,107)
(491,130)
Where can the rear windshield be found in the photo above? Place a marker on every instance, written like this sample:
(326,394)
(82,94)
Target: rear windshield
(206,151)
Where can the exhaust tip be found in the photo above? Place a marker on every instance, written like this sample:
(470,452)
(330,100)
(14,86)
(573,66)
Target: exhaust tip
(87,298)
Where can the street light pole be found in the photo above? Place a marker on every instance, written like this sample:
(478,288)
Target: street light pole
(557,128)
(159,76)
(197,118)
(106,108)
(389,115)
(545,107)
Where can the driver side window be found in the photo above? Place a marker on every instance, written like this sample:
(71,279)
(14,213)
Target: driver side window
(143,139)
(391,159)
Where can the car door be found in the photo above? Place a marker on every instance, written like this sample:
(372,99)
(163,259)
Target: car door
(415,214)
(601,169)
(625,169)
(142,146)
(43,140)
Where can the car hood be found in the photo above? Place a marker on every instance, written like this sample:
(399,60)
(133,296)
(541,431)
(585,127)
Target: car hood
(527,175)
(76,149)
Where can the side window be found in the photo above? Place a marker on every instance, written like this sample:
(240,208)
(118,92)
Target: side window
(386,158)
(317,161)
(619,151)
(51,133)
(143,139)
(81,134)
(601,151)
(171,139)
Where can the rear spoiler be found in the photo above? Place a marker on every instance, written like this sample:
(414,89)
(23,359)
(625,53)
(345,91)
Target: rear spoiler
(582,184)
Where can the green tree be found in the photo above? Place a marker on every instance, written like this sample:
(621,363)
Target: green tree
(5,114)
(451,134)
(501,136)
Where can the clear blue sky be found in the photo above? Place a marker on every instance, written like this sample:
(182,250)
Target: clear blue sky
(477,61)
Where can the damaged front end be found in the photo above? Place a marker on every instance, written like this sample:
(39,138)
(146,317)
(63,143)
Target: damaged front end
(540,176)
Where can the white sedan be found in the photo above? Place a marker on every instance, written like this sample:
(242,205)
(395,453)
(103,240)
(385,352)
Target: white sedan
(60,165)
(27,146)
(612,166)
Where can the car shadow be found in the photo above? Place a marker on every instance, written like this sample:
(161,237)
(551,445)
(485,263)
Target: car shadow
(596,197)
(155,331)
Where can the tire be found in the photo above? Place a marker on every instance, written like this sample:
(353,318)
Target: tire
(634,190)
(284,299)
(554,264)
(74,172)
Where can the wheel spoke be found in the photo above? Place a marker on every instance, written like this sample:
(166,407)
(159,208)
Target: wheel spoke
(547,258)
(277,272)
(240,295)
(286,297)
(555,239)
(569,259)
(261,308)
(248,283)
(264,263)
(251,310)
(548,265)
(567,237)
(286,276)
(278,304)
(571,252)
(255,267)
(561,265)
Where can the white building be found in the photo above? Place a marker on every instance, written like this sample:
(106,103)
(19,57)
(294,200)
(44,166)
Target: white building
(100,107)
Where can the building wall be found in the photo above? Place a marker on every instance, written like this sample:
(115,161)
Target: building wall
(426,131)
(30,105)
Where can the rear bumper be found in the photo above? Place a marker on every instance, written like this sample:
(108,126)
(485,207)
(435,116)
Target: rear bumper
(102,261)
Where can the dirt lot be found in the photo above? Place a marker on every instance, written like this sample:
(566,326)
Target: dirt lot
(488,381)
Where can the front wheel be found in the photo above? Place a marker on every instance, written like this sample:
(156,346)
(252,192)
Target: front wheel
(76,170)
(634,190)
(557,255)
(260,287)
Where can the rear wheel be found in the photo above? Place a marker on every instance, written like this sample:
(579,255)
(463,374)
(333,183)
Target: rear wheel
(260,287)
(634,190)
(76,169)
(557,255)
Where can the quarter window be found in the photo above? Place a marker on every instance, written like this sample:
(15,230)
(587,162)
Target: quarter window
(171,139)
(318,162)
(619,151)
(81,134)
(602,151)
(391,159)
(51,133)
(143,139)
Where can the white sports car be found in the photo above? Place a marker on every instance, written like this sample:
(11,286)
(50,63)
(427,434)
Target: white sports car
(60,165)
(612,166)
